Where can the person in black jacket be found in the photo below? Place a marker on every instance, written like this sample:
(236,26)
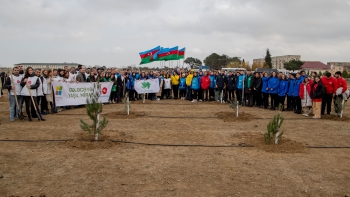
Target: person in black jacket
(317,92)
(221,84)
(2,78)
(120,86)
(256,87)
(230,87)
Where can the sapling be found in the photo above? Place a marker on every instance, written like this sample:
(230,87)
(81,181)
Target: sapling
(94,109)
(221,96)
(234,105)
(274,127)
(127,103)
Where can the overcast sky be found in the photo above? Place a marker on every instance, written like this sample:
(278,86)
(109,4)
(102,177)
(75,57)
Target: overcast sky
(113,32)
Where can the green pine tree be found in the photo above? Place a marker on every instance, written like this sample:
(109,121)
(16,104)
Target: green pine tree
(268,60)
(93,110)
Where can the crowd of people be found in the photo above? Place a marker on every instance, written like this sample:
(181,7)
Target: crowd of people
(296,92)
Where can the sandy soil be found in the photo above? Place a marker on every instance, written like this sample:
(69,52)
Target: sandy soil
(106,168)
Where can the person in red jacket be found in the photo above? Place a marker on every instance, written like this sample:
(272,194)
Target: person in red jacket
(330,85)
(342,91)
(205,83)
(340,82)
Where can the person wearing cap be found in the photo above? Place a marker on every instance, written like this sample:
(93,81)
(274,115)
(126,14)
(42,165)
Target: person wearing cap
(182,86)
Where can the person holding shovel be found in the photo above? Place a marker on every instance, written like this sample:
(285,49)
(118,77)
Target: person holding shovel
(29,84)
(13,84)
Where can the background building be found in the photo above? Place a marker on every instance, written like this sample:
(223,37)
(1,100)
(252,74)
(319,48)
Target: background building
(48,65)
(278,61)
(340,66)
(315,66)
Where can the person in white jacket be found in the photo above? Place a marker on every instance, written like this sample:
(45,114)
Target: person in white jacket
(13,84)
(29,84)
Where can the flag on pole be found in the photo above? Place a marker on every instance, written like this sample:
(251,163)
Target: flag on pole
(147,56)
(173,53)
(162,54)
(181,54)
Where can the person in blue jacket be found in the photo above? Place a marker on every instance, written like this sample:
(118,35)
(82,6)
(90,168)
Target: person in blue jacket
(272,86)
(283,90)
(212,85)
(264,90)
(239,87)
(290,99)
(127,83)
(182,86)
(296,96)
(132,93)
(137,75)
(195,87)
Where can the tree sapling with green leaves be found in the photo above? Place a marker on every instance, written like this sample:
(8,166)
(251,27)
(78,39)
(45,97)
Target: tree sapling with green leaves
(234,104)
(274,128)
(94,109)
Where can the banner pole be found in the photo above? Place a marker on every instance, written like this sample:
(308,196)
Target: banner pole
(144,96)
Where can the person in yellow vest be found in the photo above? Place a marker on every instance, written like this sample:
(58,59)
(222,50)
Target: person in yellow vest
(188,86)
(175,83)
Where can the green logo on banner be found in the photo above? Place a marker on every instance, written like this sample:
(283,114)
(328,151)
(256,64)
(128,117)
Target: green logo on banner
(145,85)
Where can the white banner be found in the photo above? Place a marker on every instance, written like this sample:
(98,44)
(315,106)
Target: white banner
(147,86)
(67,94)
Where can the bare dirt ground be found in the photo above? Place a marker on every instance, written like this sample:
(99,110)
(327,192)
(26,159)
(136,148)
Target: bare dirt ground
(106,168)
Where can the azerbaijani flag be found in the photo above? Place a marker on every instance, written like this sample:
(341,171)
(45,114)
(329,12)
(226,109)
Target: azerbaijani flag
(181,54)
(162,54)
(173,53)
(147,56)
